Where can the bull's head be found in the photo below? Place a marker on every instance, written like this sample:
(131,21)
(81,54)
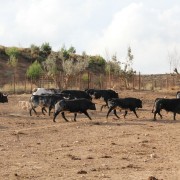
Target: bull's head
(3,98)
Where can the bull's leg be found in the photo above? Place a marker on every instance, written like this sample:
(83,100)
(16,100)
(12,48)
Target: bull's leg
(155,112)
(50,107)
(135,113)
(55,114)
(125,113)
(75,115)
(86,113)
(63,115)
(154,116)
(31,111)
(102,107)
(43,110)
(110,109)
(160,114)
(115,113)
(174,116)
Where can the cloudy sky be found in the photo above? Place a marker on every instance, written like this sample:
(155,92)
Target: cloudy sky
(99,27)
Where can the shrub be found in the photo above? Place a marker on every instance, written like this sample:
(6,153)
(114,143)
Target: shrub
(34,71)
(13,51)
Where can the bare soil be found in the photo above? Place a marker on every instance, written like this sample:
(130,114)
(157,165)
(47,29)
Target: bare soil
(128,149)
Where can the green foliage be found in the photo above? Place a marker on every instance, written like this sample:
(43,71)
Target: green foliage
(34,51)
(13,61)
(97,63)
(52,65)
(13,51)
(72,50)
(75,66)
(97,60)
(45,49)
(113,66)
(34,71)
(85,77)
(66,53)
(128,70)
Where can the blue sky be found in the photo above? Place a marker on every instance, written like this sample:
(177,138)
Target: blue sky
(99,27)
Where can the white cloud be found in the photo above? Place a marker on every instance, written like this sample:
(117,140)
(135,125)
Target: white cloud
(150,27)
(150,33)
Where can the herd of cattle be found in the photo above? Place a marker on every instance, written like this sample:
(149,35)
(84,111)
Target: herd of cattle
(77,101)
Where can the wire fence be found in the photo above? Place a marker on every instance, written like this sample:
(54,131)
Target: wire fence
(22,84)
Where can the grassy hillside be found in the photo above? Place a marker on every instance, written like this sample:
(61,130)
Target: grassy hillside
(6,72)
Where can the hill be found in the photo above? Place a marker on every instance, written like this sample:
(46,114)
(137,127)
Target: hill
(6,72)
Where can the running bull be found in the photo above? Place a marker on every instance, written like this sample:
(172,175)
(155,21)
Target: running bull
(73,106)
(169,105)
(124,103)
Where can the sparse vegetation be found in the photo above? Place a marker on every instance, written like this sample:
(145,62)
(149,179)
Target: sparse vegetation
(68,63)
(34,70)
(13,51)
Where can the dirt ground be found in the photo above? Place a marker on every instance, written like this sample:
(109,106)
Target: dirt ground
(128,149)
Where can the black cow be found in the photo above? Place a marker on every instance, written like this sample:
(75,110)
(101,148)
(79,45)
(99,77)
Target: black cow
(73,106)
(3,98)
(169,105)
(102,94)
(124,103)
(77,94)
(46,100)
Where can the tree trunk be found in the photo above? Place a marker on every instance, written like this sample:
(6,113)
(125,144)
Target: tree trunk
(66,81)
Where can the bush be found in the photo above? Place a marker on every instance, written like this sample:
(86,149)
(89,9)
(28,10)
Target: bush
(45,49)
(34,71)
(13,51)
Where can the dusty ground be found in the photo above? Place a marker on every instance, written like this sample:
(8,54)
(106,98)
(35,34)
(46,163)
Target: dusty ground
(130,149)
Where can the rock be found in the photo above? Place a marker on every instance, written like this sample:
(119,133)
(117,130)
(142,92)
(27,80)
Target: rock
(152,178)
(82,172)
(153,155)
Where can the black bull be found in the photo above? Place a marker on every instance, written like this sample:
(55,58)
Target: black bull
(104,94)
(3,98)
(125,104)
(169,105)
(73,106)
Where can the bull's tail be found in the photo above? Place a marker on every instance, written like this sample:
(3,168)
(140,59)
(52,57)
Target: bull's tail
(156,100)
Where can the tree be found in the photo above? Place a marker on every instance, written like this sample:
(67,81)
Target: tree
(13,51)
(74,66)
(53,65)
(45,50)
(174,60)
(127,72)
(113,67)
(97,64)
(13,61)
(72,50)
(66,53)
(35,50)
(34,70)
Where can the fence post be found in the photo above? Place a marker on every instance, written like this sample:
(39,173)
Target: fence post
(88,79)
(152,80)
(139,81)
(167,81)
(14,83)
(25,85)
(31,84)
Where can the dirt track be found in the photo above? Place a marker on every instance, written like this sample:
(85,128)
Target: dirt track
(127,149)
